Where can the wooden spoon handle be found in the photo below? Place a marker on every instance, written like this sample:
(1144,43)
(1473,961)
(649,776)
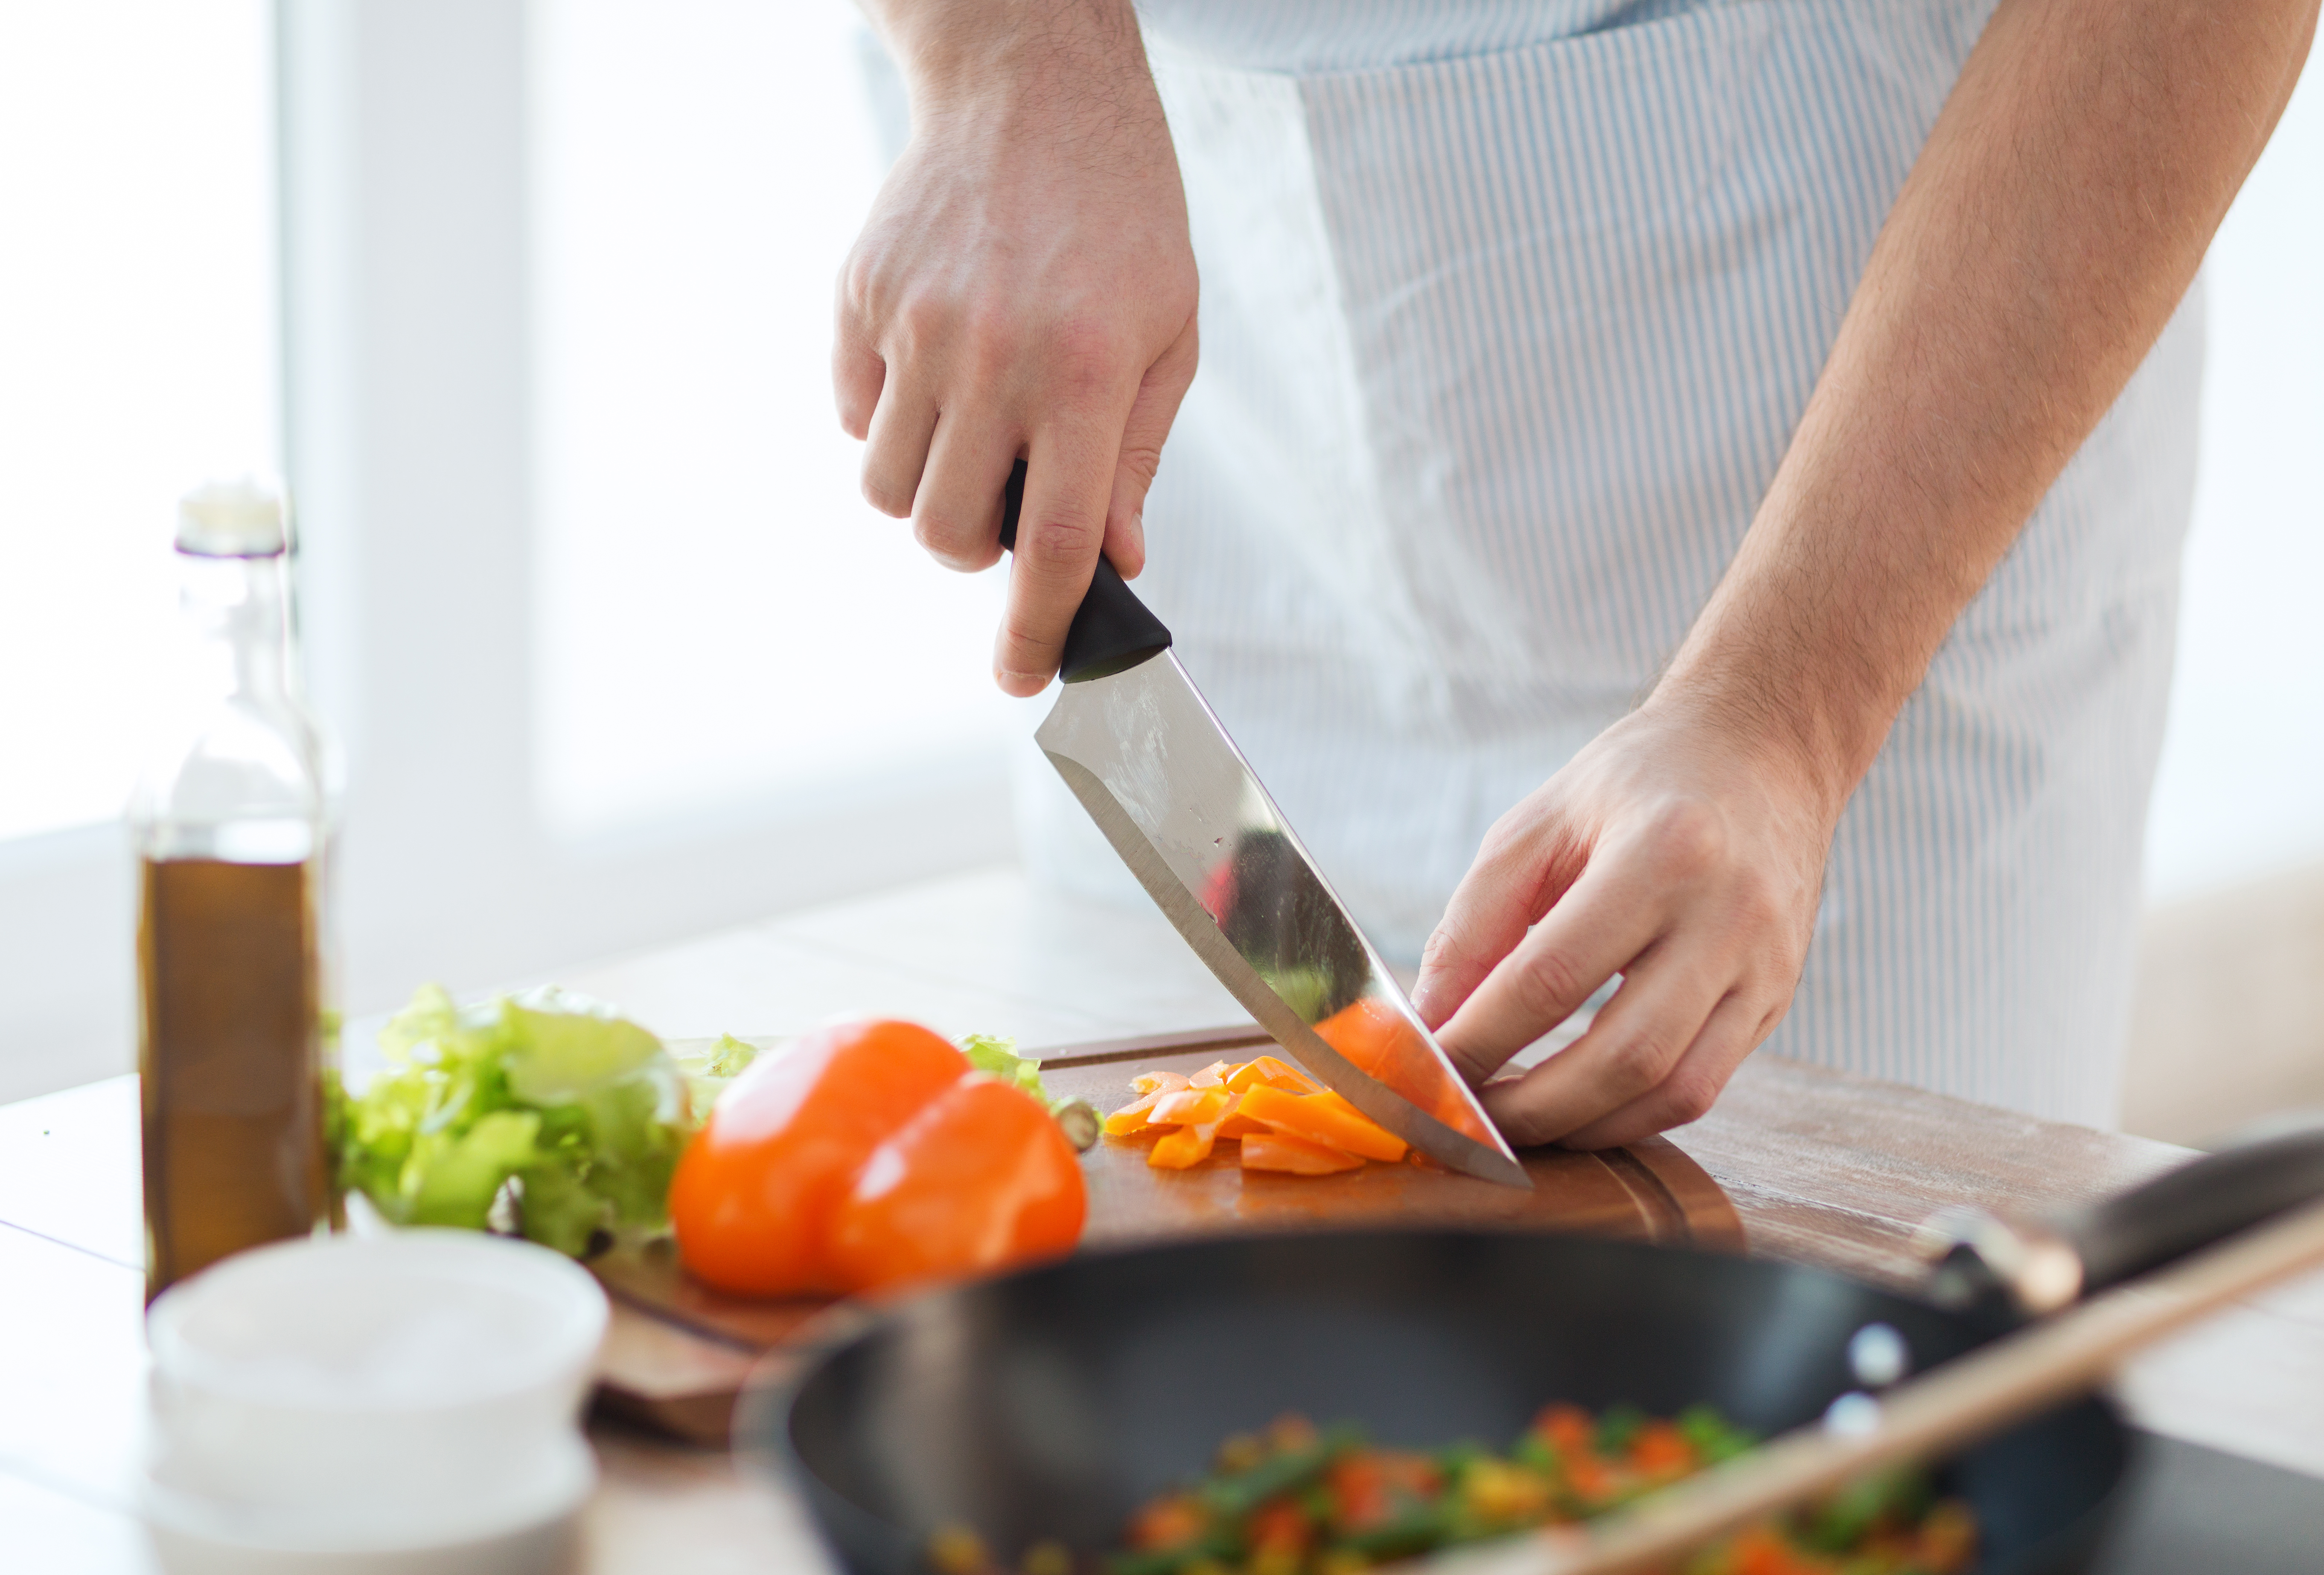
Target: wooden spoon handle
(1964,1400)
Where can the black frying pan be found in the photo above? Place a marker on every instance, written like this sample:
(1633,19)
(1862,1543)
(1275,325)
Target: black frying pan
(1051,1402)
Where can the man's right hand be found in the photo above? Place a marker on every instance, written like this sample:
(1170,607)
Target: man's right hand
(1023,288)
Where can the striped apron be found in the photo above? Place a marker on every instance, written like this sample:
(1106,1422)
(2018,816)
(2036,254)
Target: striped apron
(1509,312)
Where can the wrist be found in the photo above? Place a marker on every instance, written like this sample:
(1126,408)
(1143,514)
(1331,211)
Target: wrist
(958,57)
(1796,728)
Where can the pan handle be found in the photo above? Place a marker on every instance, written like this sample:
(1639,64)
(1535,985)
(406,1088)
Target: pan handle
(2039,1266)
(1112,631)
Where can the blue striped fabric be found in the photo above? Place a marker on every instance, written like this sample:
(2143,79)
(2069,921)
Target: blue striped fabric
(1509,312)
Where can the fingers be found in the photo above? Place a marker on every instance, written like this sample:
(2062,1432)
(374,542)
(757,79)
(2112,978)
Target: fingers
(1159,394)
(857,371)
(1068,482)
(1528,862)
(1598,928)
(956,512)
(1655,1057)
(896,452)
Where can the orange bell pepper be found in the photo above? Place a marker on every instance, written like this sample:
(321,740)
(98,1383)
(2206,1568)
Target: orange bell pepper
(1376,1036)
(1298,1156)
(755,1190)
(1326,1118)
(979,1179)
(1214,1075)
(871,1154)
(1158,1082)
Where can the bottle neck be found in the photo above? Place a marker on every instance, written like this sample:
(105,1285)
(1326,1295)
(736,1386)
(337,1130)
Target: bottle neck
(237,605)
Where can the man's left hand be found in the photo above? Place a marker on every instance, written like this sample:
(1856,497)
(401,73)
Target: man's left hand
(1673,851)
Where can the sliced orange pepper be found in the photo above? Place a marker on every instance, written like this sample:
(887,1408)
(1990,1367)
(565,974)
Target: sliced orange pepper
(1152,1088)
(1332,1100)
(1214,1075)
(1298,1155)
(1182,1147)
(1274,1073)
(1324,1118)
(1191,1144)
(1189,1107)
(1132,1116)
(1240,1126)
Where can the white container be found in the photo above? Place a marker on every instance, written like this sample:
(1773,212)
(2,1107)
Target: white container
(372,1404)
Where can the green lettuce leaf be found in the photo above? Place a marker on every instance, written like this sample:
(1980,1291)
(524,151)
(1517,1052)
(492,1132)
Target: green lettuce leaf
(708,1071)
(992,1054)
(574,1111)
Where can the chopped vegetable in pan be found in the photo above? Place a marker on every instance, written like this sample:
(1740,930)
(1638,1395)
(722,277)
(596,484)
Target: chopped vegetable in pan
(1298,1501)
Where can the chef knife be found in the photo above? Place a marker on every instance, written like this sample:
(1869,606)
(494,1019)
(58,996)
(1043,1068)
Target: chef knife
(1134,740)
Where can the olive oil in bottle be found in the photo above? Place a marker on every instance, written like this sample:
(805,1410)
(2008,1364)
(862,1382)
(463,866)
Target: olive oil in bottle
(229,824)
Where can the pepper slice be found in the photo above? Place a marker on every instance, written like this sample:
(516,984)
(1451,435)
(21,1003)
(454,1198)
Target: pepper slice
(1189,1107)
(1296,1155)
(1271,1072)
(1153,1088)
(1326,1118)
(1192,1143)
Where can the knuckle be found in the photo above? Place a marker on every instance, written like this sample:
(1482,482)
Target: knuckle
(1086,351)
(1026,647)
(948,541)
(1689,1096)
(1142,460)
(921,319)
(1525,1129)
(1636,1063)
(887,497)
(1064,540)
(1547,988)
(990,342)
(1442,947)
(1686,837)
(858,283)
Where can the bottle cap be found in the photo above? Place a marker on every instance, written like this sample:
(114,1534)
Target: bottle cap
(234,519)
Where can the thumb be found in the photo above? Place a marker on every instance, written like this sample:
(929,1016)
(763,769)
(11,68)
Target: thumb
(1159,393)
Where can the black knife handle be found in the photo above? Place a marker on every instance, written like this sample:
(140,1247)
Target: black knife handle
(1112,631)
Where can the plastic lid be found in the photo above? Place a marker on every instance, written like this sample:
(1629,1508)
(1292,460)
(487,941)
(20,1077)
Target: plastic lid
(234,519)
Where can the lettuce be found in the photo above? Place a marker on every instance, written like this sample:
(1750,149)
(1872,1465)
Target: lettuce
(582,1110)
(991,1054)
(708,1071)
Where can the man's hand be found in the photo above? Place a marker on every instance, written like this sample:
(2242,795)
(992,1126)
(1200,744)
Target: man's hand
(1676,851)
(2048,229)
(1024,287)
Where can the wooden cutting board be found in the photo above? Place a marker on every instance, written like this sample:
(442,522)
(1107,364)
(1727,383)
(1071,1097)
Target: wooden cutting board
(679,1354)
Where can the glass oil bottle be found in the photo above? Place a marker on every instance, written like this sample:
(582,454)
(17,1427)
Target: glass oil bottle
(229,826)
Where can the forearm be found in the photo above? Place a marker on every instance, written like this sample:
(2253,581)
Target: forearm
(2050,225)
(963,51)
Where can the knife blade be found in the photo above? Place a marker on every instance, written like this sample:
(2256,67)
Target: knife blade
(1142,750)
